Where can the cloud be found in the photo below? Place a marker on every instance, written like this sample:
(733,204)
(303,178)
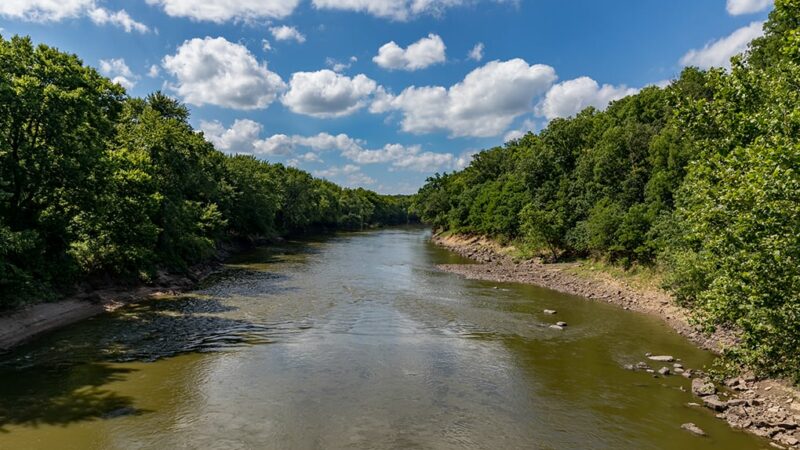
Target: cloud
(265,45)
(419,55)
(327,94)
(287,33)
(484,104)
(526,127)
(718,53)
(338,66)
(395,9)
(241,137)
(220,11)
(122,19)
(56,11)
(476,54)
(351,173)
(244,136)
(214,71)
(571,97)
(740,7)
(154,71)
(45,10)
(119,72)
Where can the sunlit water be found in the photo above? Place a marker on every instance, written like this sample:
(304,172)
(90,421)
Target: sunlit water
(355,341)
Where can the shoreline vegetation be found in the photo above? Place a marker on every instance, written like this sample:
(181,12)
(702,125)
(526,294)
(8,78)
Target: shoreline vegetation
(698,180)
(768,408)
(98,188)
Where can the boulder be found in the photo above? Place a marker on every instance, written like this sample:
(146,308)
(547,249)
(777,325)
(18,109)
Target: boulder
(694,429)
(702,387)
(713,402)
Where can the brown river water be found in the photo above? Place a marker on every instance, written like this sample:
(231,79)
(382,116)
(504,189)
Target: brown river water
(355,341)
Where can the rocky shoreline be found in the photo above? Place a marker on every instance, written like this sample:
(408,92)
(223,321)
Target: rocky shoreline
(767,408)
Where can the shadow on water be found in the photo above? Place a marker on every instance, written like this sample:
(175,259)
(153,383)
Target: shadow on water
(61,395)
(60,379)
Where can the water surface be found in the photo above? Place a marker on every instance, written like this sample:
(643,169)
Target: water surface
(355,341)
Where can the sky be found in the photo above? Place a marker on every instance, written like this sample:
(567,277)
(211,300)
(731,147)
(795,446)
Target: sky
(382,94)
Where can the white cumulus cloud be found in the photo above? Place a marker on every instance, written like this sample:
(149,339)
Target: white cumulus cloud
(244,136)
(394,9)
(571,97)
(122,19)
(214,71)
(740,7)
(476,54)
(287,33)
(718,53)
(58,10)
(327,94)
(119,72)
(419,55)
(226,10)
(484,104)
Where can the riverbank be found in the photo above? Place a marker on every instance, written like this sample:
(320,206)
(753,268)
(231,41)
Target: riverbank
(767,408)
(29,322)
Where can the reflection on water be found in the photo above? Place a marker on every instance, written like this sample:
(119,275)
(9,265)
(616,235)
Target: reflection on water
(354,342)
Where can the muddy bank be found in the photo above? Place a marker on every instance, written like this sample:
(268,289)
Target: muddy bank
(27,323)
(768,408)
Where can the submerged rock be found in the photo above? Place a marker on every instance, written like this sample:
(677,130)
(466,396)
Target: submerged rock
(692,428)
(664,371)
(556,327)
(661,358)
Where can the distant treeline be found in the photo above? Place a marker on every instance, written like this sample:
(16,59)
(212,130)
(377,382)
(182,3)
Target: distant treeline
(700,179)
(96,184)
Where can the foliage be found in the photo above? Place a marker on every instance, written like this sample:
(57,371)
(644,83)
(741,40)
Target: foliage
(95,184)
(700,178)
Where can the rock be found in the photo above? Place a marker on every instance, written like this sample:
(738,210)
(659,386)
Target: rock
(661,358)
(629,367)
(692,428)
(790,440)
(736,402)
(693,404)
(642,366)
(664,371)
(678,370)
(556,327)
(677,366)
(702,387)
(550,311)
(561,324)
(795,406)
(713,402)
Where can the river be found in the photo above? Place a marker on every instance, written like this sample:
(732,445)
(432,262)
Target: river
(355,341)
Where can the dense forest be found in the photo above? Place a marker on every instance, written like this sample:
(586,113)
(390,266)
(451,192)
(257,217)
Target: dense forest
(699,180)
(96,185)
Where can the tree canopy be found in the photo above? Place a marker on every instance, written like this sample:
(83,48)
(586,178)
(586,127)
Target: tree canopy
(701,178)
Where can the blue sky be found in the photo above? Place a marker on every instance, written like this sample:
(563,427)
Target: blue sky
(384,93)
